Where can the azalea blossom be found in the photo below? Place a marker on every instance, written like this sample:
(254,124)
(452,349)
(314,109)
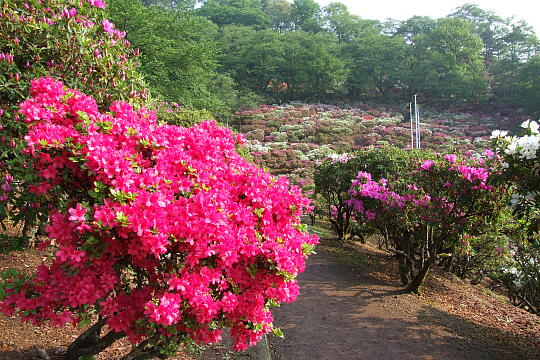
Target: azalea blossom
(216,237)
(97,3)
(531,125)
(498,134)
(108,26)
(427,165)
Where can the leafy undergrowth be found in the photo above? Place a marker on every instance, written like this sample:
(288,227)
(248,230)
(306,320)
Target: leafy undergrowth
(485,314)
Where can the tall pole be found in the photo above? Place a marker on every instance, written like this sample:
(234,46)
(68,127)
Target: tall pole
(417,119)
(412,132)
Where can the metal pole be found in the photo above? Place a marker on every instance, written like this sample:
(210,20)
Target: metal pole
(419,126)
(417,123)
(410,117)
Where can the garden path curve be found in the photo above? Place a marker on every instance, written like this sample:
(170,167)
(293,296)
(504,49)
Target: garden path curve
(346,313)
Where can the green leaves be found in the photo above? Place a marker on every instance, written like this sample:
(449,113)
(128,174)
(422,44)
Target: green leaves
(99,192)
(11,280)
(178,50)
(278,332)
(83,323)
(308,249)
(121,196)
(122,219)
(259,212)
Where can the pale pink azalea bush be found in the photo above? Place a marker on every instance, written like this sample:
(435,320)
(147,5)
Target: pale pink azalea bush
(162,231)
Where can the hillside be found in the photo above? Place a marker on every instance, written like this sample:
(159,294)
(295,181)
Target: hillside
(289,139)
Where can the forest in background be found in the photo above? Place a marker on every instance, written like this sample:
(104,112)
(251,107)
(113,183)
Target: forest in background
(224,55)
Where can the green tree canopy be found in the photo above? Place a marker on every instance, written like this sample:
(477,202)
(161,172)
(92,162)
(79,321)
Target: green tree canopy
(306,16)
(447,64)
(344,25)
(528,86)
(178,50)
(311,66)
(378,65)
(237,12)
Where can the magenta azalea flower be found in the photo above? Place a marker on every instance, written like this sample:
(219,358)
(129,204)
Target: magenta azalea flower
(97,3)
(427,165)
(108,26)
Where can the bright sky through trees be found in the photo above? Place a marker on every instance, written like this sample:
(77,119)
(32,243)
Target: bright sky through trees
(527,10)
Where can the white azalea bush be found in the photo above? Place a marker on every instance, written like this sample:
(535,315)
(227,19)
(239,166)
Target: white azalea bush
(521,170)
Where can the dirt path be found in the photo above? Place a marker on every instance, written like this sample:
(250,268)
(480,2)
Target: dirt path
(352,314)
(350,307)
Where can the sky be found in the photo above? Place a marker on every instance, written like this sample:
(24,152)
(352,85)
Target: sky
(528,10)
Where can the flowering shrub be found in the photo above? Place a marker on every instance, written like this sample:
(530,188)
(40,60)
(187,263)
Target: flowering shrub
(165,233)
(428,211)
(478,256)
(334,175)
(521,170)
(69,40)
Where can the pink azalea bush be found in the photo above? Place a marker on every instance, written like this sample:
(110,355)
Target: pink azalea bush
(430,210)
(163,232)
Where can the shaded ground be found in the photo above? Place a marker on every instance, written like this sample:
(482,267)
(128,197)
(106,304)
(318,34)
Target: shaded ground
(350,307)
(20,341)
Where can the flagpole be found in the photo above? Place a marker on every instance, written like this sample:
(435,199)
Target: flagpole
(417,119)
(412,132)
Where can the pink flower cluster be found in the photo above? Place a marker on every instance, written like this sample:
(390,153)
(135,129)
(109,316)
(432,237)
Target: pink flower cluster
(165,229)
(440,192)
(109,27)
(97,3)
(7,57)
(473,174)
(5,188)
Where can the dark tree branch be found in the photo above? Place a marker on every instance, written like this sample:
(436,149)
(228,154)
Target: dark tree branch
(91,343)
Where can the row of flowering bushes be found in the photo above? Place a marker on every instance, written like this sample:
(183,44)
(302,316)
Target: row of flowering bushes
(162,233)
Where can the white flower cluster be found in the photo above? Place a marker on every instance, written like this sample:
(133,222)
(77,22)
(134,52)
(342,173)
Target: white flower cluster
(526,147)
(531,125)
(318,153)
(498,134)
(257,146)
(342,158)
(280,136)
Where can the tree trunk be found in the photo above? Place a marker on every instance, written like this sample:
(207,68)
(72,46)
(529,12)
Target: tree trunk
(404,269)
(91,343)
(29,229)
(146,350)
(418,281)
